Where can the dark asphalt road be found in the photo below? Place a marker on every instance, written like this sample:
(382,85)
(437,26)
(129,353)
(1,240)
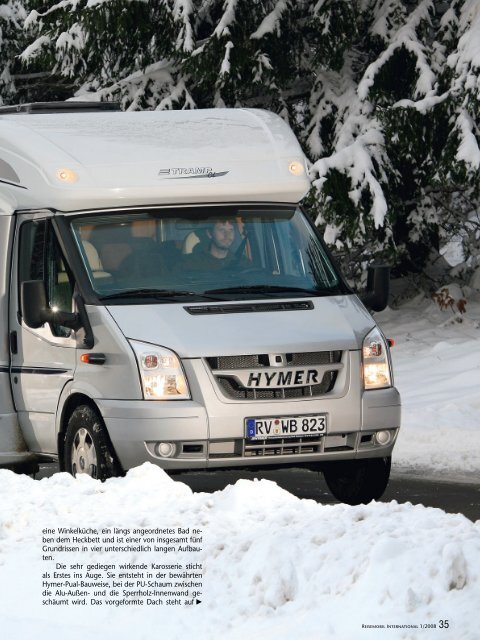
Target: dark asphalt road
(452,497)
(449,495)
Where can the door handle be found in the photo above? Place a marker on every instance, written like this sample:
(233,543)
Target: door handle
(13,342)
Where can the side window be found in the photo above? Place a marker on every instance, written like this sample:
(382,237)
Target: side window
(40,258)
(31,259)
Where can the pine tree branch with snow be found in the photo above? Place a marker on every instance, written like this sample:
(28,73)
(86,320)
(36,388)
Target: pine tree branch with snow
(383,95)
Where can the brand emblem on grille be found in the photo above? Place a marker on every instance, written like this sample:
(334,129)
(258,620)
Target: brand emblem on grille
(289,377)
(277,359)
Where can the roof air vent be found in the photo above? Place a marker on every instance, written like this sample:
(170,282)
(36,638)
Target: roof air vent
(61,107)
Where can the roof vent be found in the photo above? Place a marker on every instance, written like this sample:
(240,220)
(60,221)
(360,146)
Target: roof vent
(61,107)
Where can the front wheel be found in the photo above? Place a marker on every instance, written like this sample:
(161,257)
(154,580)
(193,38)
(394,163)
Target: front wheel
(358,481)
(87,446)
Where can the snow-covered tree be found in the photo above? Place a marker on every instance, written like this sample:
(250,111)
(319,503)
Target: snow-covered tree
(12,15)
(406,143)
(383,94)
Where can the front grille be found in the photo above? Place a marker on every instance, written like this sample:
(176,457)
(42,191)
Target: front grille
(232,388)
(271,447)
(221,363)
(282,447)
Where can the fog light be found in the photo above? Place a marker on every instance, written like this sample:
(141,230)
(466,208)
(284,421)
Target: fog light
(383,437)
(165,449)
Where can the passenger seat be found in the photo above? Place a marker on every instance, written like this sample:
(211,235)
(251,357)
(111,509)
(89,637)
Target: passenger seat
(94,261)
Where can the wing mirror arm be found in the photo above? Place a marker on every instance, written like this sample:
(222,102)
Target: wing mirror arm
(375,297)
(88,339)
(36,311)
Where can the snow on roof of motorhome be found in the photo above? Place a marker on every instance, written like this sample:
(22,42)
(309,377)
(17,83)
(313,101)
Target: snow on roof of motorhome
(125,159)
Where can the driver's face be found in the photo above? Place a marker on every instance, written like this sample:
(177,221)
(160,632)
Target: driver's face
(223,235)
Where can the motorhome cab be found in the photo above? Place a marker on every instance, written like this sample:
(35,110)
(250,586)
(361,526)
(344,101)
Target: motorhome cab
(164,298)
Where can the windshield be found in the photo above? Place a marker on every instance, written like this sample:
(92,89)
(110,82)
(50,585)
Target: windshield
(206,253)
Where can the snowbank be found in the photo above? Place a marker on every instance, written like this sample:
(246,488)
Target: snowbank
(275,566)
(437,371)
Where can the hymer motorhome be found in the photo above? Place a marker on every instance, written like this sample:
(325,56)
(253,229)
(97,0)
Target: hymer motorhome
(164,298)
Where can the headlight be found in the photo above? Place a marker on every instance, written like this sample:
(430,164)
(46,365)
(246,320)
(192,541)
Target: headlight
(161,373)
(376,361)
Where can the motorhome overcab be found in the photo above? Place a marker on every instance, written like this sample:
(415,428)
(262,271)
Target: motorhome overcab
(164,298)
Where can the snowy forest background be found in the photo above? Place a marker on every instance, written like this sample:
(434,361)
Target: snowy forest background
(384,96)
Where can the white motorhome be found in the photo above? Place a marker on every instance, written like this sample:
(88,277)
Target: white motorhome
(164,298)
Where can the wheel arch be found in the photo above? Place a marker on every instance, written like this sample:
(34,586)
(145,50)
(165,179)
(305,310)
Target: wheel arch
(71,403)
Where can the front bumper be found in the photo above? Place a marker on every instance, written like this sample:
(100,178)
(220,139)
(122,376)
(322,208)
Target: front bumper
(204,440)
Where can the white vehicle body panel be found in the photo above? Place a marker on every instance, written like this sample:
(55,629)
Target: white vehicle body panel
(133,159)
(339,321)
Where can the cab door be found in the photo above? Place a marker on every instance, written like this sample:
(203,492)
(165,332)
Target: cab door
(42,360)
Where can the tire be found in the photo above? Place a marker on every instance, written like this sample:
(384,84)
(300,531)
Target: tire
(358,481)
(87,446)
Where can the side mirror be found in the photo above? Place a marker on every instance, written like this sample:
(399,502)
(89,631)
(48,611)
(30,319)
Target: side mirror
(375,297)
(36,311)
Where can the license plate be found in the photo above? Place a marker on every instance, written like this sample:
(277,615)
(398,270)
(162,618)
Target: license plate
(286,427)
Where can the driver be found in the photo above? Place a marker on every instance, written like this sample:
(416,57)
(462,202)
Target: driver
(217,253)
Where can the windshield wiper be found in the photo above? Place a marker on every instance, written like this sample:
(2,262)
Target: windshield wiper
(267,288)
(158,294)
